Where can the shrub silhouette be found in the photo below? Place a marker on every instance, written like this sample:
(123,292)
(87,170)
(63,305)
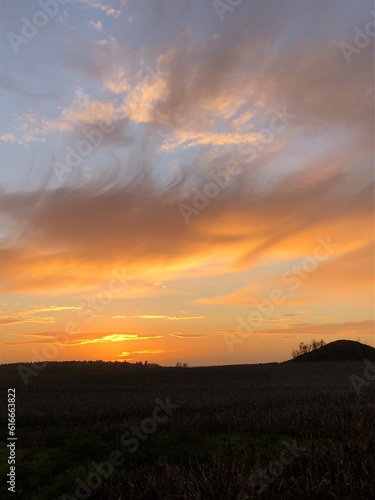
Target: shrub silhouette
(304,348)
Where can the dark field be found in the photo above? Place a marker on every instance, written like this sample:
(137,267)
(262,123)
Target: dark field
(257,431)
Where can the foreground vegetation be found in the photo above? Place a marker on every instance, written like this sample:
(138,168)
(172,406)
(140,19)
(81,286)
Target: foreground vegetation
(224,440)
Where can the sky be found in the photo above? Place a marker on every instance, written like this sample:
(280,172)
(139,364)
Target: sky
(186,181)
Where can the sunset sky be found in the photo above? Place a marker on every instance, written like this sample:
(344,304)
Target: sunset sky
(185,180)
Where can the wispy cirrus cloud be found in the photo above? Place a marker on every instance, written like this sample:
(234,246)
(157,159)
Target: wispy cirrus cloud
(114,337)
(33,315)
(49,246)
(342,329)
(181,335)
(127,354)
(192,139)
(75,340)
(160,316)
(80,113)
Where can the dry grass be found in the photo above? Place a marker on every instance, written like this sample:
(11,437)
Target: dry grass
(230,423)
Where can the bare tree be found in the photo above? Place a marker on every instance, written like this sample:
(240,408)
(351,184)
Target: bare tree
(305,348)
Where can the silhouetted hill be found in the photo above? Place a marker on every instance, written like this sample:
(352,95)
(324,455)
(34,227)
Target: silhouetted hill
(340,350)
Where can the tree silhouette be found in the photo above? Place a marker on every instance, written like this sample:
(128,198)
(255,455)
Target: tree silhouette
(305,348)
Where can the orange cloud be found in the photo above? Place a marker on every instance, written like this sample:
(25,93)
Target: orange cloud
(146,351)
(31,315)
(161,316)
(192,139)
(49,250)
(74,339)
(343,330)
